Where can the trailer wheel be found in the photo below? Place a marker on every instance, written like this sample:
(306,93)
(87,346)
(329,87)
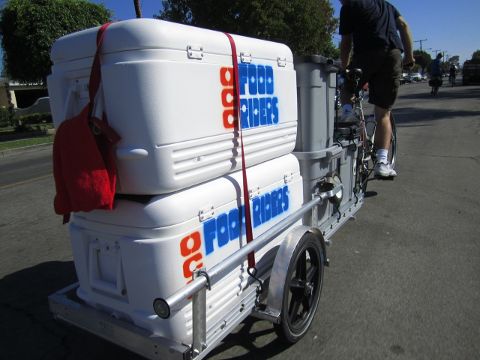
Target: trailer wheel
(301,292)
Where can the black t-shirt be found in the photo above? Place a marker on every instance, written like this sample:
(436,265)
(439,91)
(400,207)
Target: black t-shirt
(372,23)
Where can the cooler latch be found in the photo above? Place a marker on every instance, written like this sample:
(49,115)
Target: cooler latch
(282,62)
(195,52)
(254,191)
(245,57)
(288,178)
(206,213)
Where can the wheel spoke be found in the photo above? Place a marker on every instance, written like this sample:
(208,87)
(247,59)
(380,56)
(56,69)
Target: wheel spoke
(306,302)
(293,308)
(297,284)
(311,273)
(302,266)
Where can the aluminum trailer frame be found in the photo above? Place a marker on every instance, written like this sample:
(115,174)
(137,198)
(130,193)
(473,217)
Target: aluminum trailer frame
(66,306)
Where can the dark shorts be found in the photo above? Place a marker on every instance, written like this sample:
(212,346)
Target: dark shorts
(382,69)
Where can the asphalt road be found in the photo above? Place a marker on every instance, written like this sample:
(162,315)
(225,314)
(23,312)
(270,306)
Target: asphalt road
(404,280)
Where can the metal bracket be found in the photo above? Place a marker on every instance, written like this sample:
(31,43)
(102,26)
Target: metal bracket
(245,57)
(281,62)
(331,192)
(195,52)
(288,178)
(203,272)
(254,191)
(206,213)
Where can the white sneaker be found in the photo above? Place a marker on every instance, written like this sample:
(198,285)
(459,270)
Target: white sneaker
(384,170)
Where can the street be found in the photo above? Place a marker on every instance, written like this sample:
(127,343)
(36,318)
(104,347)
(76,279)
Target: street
(404,276)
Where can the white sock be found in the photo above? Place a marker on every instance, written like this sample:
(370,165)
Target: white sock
(382,156)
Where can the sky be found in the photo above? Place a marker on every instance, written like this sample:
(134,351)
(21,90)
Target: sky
(447,26)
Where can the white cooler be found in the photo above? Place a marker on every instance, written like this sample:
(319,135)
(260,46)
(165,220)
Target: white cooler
(168,92)
(148,247)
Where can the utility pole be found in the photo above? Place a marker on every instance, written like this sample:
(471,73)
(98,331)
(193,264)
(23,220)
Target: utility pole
(138,8)
(421,42)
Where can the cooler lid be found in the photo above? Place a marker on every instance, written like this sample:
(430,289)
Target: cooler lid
(141,34)
(184,205)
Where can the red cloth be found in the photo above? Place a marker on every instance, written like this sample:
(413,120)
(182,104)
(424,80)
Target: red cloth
(83,163)
(83,167)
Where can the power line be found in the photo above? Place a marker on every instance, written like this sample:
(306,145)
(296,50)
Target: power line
(421,42)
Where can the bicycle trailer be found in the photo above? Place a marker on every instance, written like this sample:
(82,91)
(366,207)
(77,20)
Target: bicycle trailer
(168,272)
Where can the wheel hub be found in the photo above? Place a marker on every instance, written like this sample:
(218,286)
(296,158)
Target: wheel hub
(308,289)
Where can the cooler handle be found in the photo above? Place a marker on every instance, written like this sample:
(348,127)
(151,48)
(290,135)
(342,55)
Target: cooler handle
(96,282)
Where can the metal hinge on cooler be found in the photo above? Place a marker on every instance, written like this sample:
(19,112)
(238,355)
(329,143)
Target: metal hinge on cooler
(195,52)
(245,57)
(287,178)
(281,62)
(206,213)
(254,191)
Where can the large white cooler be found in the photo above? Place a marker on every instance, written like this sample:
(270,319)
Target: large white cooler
(148,247)
(168,92)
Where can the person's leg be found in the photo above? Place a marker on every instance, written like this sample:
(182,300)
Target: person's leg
(386,83)
(383,133)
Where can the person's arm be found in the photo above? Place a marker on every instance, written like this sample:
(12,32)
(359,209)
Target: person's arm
(407,40)
(345,50)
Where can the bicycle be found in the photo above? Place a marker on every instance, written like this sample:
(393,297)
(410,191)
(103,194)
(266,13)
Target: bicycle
(366,152)
(435,82)
(452,80)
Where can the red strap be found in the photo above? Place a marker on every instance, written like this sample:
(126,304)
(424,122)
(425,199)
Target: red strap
(96,74)
(246,197)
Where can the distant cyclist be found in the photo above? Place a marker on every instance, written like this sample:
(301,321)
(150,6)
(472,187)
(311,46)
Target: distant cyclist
(436,74)
(452,74)
(371,28)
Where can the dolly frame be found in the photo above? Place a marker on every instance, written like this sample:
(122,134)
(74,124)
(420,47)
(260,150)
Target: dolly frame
(66,306)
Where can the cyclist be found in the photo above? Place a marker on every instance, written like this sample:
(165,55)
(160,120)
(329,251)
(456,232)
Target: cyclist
(453,74)
(436,74)
(371,28)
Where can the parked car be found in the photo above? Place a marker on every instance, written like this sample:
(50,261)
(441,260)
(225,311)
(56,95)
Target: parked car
(41,105)
(405,79)
(416,77)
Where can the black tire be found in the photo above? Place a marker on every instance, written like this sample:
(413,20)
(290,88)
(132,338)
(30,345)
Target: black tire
(302,289)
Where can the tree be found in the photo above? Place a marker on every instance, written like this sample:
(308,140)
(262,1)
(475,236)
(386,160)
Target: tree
(455,59)
(29,28)
(306,26)
(422,58)
(476,57)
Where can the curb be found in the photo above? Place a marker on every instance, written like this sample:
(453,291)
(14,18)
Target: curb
(21,150)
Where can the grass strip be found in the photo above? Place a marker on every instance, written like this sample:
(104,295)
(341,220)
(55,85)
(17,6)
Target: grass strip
(15,144)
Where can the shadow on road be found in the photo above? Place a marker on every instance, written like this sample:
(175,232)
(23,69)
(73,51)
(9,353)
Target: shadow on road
(28,328)
(29,331)
(445,92)
(443,106)
(246,337)
(405,116)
